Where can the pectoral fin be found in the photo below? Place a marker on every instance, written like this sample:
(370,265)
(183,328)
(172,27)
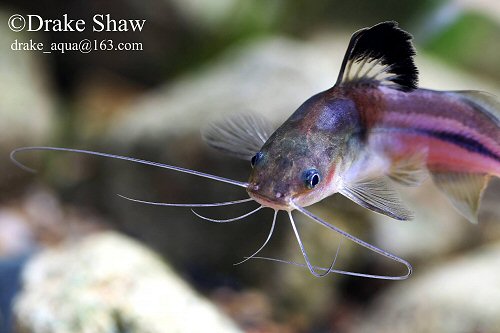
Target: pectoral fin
(464,190)
(241,135)
(376,194)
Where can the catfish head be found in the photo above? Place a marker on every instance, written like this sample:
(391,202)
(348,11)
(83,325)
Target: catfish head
(297,164)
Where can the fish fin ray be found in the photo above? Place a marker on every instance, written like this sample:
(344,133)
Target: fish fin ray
(411,171)
(240,135)
(463,190)
(377,195)
(384,56)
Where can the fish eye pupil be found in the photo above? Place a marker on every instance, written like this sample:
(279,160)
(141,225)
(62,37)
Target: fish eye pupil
(314,180)
(311,178)
(256,158)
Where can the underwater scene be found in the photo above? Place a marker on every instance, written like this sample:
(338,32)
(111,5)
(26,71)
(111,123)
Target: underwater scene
(250,166)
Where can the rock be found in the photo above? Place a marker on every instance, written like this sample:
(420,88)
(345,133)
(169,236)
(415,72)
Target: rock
(16,237)
(436,230)
(39,219)
(461,296)
(271,77)
(253,310)
(109,283)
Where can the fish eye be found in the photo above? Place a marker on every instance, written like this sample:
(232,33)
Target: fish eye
(311,178)
(256,158)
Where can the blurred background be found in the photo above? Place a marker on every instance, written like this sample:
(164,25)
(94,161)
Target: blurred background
(75,257)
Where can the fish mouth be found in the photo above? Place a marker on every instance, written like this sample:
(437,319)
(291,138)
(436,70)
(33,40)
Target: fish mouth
(274,203)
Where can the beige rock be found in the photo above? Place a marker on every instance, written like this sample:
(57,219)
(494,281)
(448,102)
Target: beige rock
(108,282)
(271,77)
(461,296)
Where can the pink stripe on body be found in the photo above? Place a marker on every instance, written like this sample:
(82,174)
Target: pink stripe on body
(456,136)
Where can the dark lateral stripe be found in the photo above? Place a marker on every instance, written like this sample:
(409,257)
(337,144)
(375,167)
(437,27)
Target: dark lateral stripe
(462,141)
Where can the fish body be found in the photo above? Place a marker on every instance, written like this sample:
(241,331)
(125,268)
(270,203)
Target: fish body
(367,132)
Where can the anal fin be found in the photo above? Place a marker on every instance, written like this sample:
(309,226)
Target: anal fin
(464,190)
(409,172)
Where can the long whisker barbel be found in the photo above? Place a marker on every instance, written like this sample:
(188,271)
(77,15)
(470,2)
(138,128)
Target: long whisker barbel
(304,253)
(265,242)
(119,157)
(213,204)
(319,268)
(241,184)
(362,243)
(335,271)
(228,220)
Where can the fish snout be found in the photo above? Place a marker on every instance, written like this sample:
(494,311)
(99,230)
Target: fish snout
(269,197)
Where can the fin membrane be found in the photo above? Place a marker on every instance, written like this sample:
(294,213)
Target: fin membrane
(464,190)
(376,194)
(383,55)
(409,172)
(241,135)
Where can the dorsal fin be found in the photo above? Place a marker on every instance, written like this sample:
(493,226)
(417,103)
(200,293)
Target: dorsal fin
(383,55)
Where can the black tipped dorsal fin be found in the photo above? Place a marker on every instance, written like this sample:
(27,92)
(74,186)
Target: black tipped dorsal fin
(382,55)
